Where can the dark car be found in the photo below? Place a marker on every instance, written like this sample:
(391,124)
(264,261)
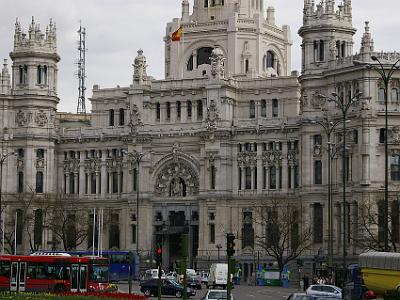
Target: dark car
(194,282)
(168,288)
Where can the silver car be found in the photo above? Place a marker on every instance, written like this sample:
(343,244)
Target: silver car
(324,290)
(216,295)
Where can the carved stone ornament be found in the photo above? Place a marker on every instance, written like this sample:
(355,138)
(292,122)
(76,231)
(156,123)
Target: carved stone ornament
(135,121)
(212,116)
(317,151)
(21,118)
(317,101)
(41,118)
(71,166)
(272,157)
(332,48)
(394,135)
(139,67)
(93,165)
(217,63)
(40,163)
(177,179)
(247,158)
(114,164)
(292,157)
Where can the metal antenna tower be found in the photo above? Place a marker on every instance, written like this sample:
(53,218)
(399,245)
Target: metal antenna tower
(81,109)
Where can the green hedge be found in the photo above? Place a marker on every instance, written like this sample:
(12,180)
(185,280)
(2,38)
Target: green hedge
(392,295)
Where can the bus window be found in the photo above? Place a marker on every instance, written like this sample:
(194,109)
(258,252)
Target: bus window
(99,274)
(119,259)
(4,269)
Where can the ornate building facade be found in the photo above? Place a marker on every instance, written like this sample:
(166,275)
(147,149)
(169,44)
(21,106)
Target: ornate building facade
(229,132)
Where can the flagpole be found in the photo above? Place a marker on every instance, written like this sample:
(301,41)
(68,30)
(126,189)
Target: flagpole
(94,229)
(15,233)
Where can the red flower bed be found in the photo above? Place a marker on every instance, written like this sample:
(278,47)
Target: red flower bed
(107,295)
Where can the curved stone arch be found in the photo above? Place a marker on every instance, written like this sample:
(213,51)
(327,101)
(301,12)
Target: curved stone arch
(196,45)
(180,170)
(278,52)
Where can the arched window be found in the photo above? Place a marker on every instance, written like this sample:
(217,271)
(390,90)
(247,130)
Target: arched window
(263,108)
(394,95)
(111,117)
(44,74)
(158,111)
(270,59)
(121,117)
(39,182)
(39,74)
(21,75)
(203,56)
(247,66)
(252,109)
(275,108)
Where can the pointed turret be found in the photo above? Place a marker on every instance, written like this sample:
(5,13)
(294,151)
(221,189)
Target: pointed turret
(330,6)
(185,11)
(5,82)
(367,43)
(347,7)
(271,15)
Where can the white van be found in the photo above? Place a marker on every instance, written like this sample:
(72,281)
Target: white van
(152,274)
(218,275)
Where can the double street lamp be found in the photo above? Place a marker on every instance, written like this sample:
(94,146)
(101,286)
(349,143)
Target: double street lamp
(343,105)
(386,77)
(329,126)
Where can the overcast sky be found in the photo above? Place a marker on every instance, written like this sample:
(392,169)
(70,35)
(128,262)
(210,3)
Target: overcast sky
(116,29)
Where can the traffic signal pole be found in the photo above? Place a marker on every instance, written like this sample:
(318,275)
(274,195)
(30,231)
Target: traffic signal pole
(159,263)
(159,282)
(230,251)
(228,281)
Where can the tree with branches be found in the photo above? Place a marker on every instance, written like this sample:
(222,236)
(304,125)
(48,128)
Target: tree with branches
(283,238)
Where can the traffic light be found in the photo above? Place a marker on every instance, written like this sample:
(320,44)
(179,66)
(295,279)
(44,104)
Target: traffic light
(230,244)
(158,254)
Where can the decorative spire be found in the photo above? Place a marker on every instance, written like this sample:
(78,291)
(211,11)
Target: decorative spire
(347,7)
(367,43)
(5,82)
(330,6)
(185,10)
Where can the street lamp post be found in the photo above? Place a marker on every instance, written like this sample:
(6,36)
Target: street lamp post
(344,107)
(3,158)
(328,127)
(386,77)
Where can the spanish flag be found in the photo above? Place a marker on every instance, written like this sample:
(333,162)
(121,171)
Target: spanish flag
(176,36)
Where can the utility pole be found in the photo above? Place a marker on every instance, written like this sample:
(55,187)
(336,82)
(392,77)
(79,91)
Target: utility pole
(230,251)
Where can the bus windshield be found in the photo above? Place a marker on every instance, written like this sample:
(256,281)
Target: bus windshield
(99,274)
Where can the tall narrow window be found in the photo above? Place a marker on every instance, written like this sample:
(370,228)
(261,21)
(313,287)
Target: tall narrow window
(289,177)
(381,95)
(168,111)
(135,179)
(381,221)
(205,3)
(114,231)
(395,221)
(158,111)
(21,75)
(133,232)
(39,182)
(212,233)
(212,175)
(121,182)
(255,178)
(318,172)
(248,230)
(44,75)
(121,117)
(111,117)
(318,223)
(394,95)
(252,109)
(296,177)
(178,109)
(189,109)
(20,182)
(115,182)
(294,236)
(247,171)
(272,178)
(39,74)
(71,183)
(280,177)
(38,228)
(40,153)
(199,110)
(270,59)
(93,183)
(321,50)
(317,140)
(275,108)
(264,178)
(20,226)
(247,66)
(382,135)
(240,178)
(263,108)
(395,167)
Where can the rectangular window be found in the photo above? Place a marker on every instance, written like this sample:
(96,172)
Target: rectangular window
(121,117)
(189,109)
(39,182)
(247,171)
(318,223)
(114,231)
(255,178)
(121,182)
(382,135)
(111,117)
(40,153)
(272,178)
(296,177)
(212,233)
(212,174)
(168,111)
(135,179)
(289,177)
(240,178)
(264,178)
(93,183)
(115,183)
(395,221)
(178,109)
(317,140)
(318,172)
(20,182)
(199,110)
(263,108)
(275,108)
(86,184)
(158,111)
(280,177)
(38,227)
(395,167)
(71,183)
(20,226)
(133,231)
(252,113)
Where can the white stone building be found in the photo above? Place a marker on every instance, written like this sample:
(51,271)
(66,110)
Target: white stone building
(228,132)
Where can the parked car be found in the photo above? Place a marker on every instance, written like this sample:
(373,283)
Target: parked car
(194,282)
(323,290)
(168,288)
(216,295)
(173,276)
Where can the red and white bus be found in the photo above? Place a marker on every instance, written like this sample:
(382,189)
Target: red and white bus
(53,273)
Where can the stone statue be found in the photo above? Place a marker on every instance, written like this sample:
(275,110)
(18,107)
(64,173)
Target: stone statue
(140,67)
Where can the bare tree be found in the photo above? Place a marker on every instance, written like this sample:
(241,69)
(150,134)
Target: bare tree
(284,239)
(369,226)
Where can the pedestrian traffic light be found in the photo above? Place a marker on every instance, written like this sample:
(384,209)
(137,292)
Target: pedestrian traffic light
(158,254)
(230,244)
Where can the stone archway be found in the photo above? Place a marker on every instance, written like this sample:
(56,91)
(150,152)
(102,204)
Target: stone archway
(177,178)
